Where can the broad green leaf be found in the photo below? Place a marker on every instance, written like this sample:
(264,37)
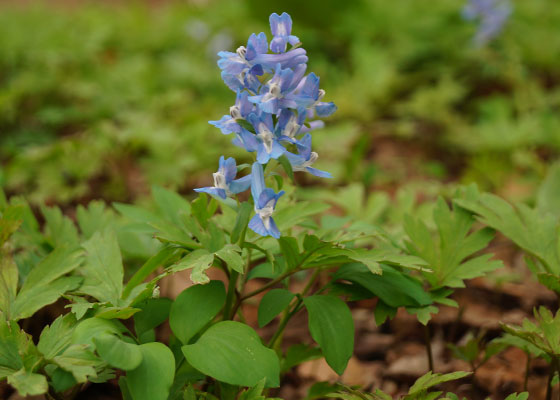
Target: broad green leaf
(393,287)
(117,353)
(10,221)
(28,383)
(332,327)
(61,380)
(80,361)
(154,312)
(153,378)
(241,223)
(14,344)
(273,303)
(237,355)
(195,307)
(103,270)
(290,250)
(199,261)
(170,204)
(90,328)
(230,254)
(57,337)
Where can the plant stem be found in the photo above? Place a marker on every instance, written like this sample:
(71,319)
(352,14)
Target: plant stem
(230,295)
(269,284)
(553,366)
(295,309)
(428,340)
(527,370)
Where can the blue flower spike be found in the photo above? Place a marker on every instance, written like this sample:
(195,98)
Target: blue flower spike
(225,183)
(276,104)
(265,203)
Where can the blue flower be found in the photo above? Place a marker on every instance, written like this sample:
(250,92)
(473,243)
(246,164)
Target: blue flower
(240,70)
(268,145)
(310,97)
(277,93)
(265,202)
(281,28)
(305,158)
(229,123)
(225,183)
(492,14)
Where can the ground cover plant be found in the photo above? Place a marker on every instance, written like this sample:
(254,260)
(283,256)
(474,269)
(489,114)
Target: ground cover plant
(271,282)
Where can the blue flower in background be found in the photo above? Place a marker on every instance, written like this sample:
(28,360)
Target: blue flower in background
(265,202)
(305,158)
(225,183)
(281,28)
(492,15)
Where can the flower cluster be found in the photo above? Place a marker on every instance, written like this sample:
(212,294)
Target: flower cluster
(492,15)
(276,107)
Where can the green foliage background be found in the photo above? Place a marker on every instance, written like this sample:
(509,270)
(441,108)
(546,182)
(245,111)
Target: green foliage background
(103,100)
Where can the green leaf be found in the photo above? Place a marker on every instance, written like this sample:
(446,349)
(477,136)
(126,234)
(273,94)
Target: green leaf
(8,281)
(430,379)
(273,303)
(285,163)
(394,288)
(17,349)
(238,356)
(520,396)
(154,312)
(89,328)
(136,214)
(95,218)
(153,378)
(117,353)
(548,196)
(28,383)
(60,229)
(195,307)
(332,327)
(79,361)
(291,215)
(230,254)
(241,223)
(57,337)
(290,250)
(103,269)
(170,204)
(199,261)
(163,256)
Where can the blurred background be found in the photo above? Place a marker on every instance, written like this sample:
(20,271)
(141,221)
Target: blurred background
(104,99)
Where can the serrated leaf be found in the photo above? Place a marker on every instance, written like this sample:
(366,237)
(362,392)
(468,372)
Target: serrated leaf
(153,378)
(57,337)
(79,361)
(170,204)
(230,254)
(28,383)
(332,327)
(103,269)
(60,229)
(194,308)
(273,303)
(238,356)
(393,287)
(199,261)
(95,218)
(429,380)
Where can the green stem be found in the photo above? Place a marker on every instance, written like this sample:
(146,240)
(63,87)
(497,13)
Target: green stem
(295,309)
(270,284)
(428,341)
(230,295)
(553,367)
(527,370)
